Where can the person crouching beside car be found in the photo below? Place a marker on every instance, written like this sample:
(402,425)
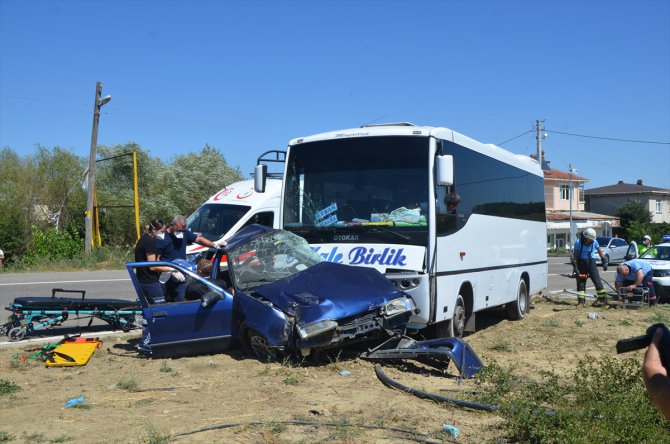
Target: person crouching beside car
(633,274)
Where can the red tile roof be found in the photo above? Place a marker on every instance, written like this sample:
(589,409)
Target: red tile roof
(561,175)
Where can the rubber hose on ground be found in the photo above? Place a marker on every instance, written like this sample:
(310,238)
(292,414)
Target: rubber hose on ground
(425,395)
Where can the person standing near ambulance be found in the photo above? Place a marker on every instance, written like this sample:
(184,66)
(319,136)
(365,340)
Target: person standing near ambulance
(646,244)
(584,254)
(173,246)
(145,251)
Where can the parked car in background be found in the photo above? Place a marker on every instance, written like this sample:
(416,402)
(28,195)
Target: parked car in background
(271,292)
(658,257)
(614,249)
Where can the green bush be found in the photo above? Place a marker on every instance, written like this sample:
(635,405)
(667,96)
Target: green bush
(52,244)
(603,401)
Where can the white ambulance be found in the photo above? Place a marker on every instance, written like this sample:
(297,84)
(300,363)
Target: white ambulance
(232,208)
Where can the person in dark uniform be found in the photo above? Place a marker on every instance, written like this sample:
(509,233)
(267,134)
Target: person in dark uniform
(145,251)
(584,255)
(173,246)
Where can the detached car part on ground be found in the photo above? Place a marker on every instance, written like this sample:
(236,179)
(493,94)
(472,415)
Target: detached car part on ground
(275,295)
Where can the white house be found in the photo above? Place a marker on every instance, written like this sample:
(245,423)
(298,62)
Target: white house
(608,199)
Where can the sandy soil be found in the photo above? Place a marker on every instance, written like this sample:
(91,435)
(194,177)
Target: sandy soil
(129,399)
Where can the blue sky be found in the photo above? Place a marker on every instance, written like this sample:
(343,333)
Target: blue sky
(246,77)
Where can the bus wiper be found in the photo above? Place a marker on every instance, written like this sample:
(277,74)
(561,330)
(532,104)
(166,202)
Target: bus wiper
(394,232)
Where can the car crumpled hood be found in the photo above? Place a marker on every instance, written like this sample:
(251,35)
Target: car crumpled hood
(329,291)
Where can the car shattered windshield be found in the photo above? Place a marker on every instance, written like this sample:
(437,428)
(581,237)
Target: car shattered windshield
(268,258)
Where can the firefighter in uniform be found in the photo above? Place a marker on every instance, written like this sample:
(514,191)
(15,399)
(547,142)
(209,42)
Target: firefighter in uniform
(584,255)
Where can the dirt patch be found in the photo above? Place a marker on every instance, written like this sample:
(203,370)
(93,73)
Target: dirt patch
(131,399)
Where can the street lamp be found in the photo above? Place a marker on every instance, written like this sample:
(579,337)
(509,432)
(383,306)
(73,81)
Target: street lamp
(98,103)
(571,171)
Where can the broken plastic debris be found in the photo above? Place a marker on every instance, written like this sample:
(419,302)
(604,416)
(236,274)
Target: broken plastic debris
(74,401)
(344,373)
(453,431)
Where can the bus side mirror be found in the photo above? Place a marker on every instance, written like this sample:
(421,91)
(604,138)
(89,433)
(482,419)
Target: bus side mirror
(445,170)
(260,176)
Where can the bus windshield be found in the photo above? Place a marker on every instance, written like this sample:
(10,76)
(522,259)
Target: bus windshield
(374,186)
(214,220)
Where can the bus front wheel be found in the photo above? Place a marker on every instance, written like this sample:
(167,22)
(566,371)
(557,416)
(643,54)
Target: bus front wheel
(454,327)
(517,310)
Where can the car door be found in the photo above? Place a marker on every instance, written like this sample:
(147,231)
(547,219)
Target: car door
(188,327)
(619,250)
(632,251)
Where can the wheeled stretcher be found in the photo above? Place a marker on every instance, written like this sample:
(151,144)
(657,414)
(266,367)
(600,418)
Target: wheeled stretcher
(35,313)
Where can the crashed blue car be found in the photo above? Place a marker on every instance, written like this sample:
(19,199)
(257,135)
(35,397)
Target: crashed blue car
(270,292)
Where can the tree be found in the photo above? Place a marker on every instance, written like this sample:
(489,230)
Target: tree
(115,191)
(635,218)
(194,177)
(14,206)
(58,198)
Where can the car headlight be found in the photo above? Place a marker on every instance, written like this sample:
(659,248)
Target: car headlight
(661,273)
(397,306)
(316,328)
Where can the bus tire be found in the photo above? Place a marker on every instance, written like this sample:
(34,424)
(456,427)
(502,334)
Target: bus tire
(455,327)
(517,310)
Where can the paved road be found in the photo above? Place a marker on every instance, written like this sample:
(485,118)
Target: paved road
(556,283)
(113,284)
(117,285)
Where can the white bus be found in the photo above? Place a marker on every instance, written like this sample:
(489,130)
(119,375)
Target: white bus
(376,196)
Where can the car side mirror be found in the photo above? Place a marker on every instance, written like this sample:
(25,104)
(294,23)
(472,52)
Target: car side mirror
(208,299)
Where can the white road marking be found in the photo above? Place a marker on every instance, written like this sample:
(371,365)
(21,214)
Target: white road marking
(64,282)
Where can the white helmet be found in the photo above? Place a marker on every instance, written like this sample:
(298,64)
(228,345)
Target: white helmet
(589,233)
(647,237)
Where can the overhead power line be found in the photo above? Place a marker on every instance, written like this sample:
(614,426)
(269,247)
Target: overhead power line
(606,138)
(515,137)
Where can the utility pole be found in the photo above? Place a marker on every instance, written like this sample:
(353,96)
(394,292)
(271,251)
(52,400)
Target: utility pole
(570,197)
(538,130)
(90,189)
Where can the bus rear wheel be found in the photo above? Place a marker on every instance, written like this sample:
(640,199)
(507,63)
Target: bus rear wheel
(517,310)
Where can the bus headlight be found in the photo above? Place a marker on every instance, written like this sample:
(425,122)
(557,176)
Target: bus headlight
(316,328)
(397,306)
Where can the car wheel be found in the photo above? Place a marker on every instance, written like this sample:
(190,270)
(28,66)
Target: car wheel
(258,345)
(517,310)
(661,296)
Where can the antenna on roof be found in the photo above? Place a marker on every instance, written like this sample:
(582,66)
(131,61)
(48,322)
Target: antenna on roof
(388,124)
